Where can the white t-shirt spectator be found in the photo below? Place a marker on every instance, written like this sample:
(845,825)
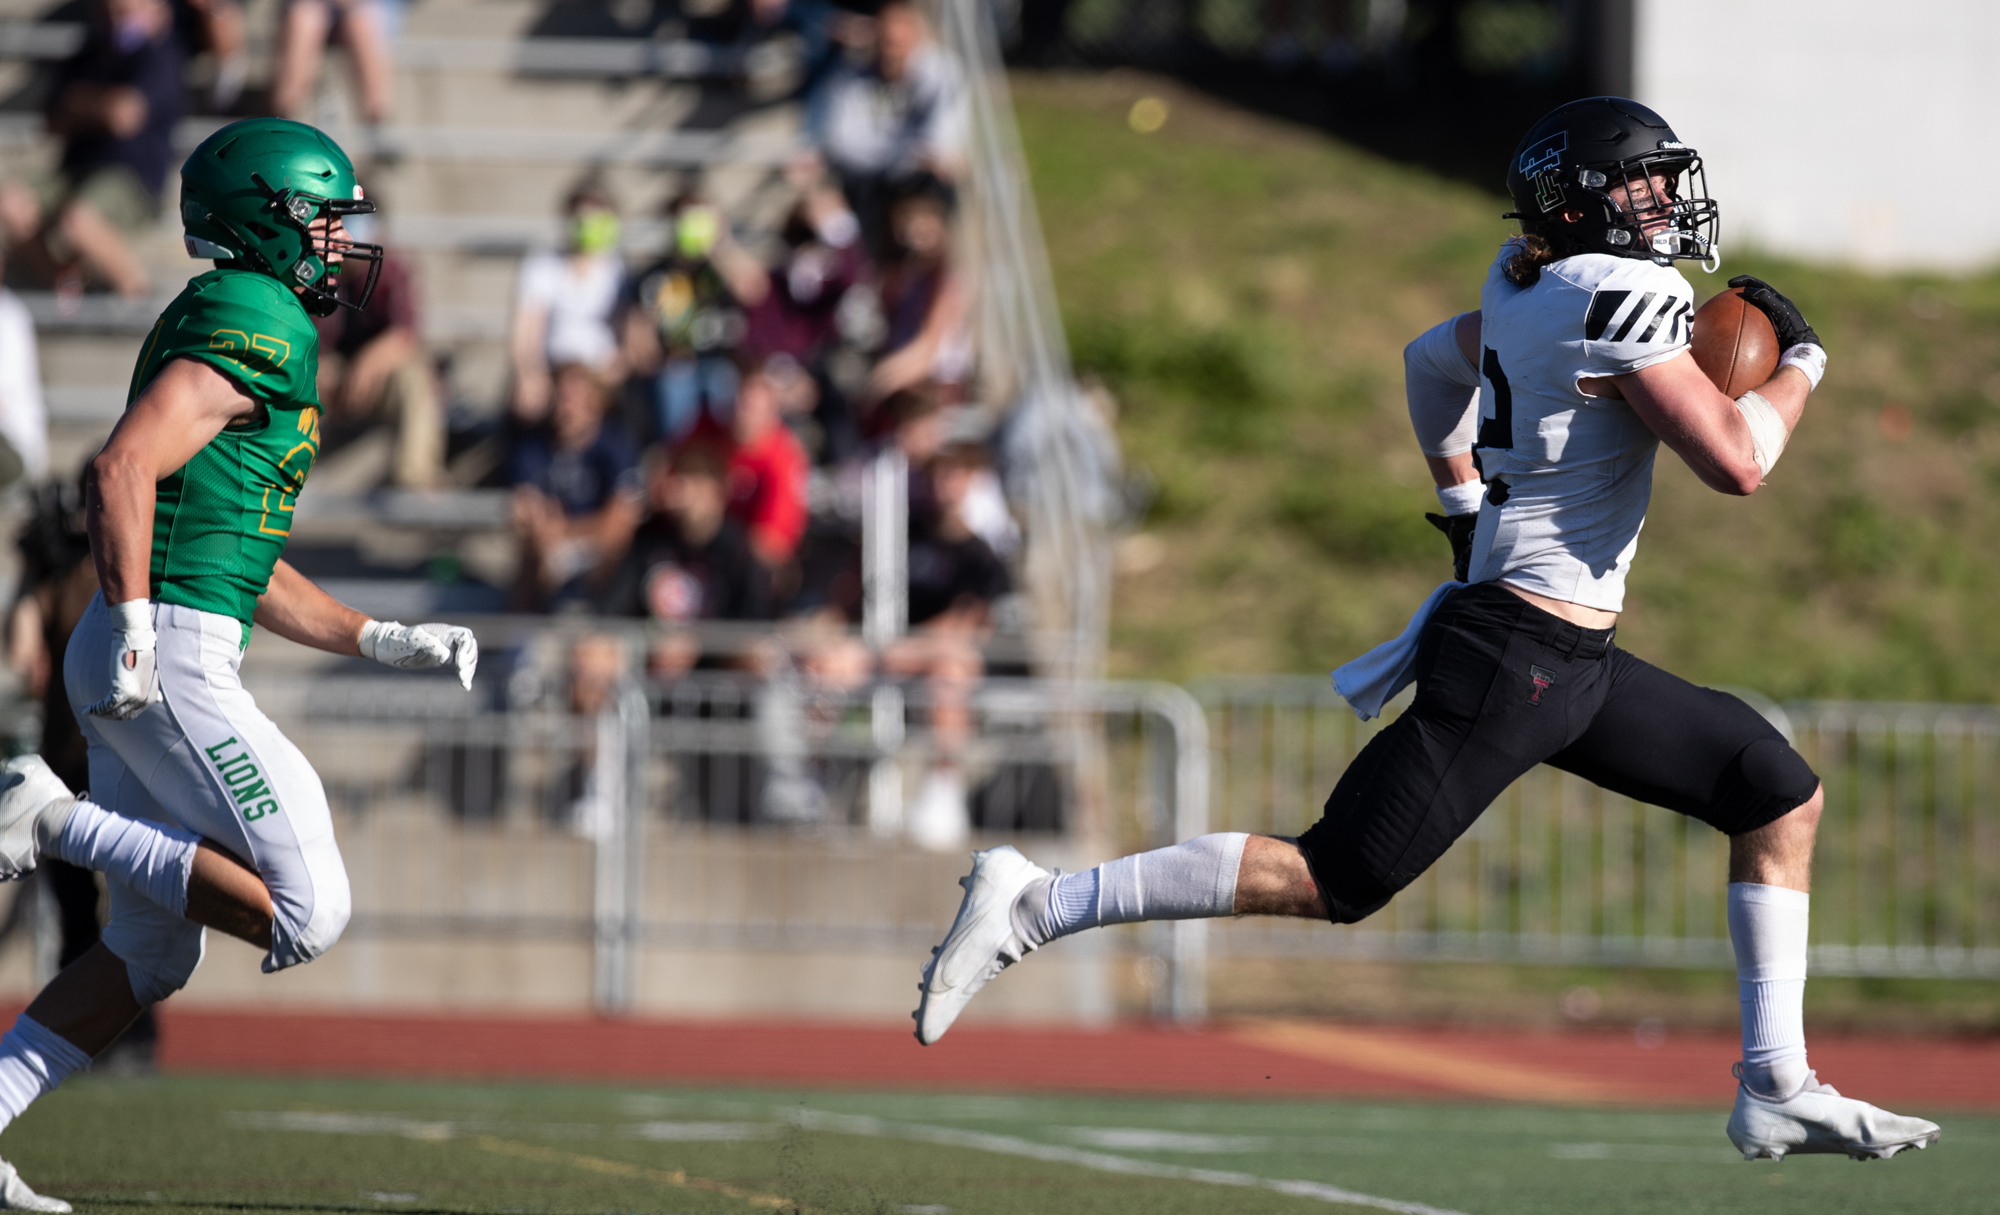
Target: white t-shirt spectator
(579,296)
(24,423)
(877,126)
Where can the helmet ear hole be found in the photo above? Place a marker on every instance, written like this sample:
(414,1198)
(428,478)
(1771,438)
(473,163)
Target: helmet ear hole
(261,232)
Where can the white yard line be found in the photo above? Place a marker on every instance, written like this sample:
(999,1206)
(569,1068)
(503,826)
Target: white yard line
(858,1124)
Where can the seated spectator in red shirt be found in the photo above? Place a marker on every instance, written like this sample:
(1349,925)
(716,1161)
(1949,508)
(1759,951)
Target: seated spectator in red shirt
(372,368)
(689,560)
(576,491)
(767,472)
(114,104)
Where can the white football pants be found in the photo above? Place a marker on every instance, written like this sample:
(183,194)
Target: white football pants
(205,759)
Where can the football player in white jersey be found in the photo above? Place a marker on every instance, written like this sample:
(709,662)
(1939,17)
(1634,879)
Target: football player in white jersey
(1578,364)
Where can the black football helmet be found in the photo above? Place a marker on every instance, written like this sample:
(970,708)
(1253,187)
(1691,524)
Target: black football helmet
(1582,177)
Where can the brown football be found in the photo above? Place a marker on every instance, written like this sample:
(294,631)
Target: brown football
(1733,343)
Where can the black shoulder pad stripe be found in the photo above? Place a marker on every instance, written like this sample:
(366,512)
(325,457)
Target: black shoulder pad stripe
(1666,309)
(1632,318)
(1603,306)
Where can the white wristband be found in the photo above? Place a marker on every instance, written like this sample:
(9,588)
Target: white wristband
(1767,430)
(1463,498)
(132,616)
(1808,358)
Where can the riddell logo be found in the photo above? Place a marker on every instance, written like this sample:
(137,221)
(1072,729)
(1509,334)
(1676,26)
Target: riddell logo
(1544,680)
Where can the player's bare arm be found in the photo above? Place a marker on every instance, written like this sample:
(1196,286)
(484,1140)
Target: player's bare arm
(295,608)
(1679,403)
(184,408)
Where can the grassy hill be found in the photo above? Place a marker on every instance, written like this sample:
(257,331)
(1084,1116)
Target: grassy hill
(1245,289)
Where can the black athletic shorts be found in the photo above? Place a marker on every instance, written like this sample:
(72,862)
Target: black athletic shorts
(1502,686)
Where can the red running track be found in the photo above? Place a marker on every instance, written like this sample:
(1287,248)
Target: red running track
(1288,1059)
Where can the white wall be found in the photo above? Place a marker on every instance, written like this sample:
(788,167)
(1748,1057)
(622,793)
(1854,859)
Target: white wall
(1864,132)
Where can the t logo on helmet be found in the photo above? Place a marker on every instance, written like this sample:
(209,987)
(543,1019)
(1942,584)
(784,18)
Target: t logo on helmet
(1544,154)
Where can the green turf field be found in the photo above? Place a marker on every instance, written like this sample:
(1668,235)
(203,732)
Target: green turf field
(252,1145)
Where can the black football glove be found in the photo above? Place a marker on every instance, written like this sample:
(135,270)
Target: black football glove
(1784,314)
(1458,529)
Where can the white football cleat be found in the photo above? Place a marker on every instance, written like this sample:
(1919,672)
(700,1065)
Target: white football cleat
(1817,1119)
(16,1196)
(27,788)
(982,941)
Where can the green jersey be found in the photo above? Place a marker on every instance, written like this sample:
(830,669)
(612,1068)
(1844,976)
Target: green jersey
(221,522)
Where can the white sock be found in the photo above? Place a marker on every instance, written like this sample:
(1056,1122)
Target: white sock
(151,858)
(1191,881)
(33,1060)
(1767,924)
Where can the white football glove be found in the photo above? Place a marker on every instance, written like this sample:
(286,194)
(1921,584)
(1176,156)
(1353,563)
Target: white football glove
(421,647)
(135,676)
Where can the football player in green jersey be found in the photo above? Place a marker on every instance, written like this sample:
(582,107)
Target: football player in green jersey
(200,812)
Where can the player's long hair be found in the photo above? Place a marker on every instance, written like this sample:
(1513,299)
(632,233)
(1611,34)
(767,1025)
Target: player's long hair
(1538,245)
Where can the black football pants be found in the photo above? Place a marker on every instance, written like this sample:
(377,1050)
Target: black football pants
(1502,686)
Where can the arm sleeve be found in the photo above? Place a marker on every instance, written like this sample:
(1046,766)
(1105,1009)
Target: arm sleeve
(1443,390)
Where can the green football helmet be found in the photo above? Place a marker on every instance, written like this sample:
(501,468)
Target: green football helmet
(250,195)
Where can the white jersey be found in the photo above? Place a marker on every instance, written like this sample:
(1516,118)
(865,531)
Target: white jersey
(1569,476)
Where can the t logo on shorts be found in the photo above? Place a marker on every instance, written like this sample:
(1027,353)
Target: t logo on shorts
(244,782)
(1544,680)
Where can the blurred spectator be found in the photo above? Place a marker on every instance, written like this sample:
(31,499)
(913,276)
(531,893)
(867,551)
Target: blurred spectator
(813,23)
(576,491)
(58,580)
(795,311)
(215,28)
(597,666)
(767,472)
(564,302)
(923,299)
(689,560)
(305,28)
(683,320)
(24,423)
(955,578)
(900,116)
(373,370)
(114,105)
(791,309)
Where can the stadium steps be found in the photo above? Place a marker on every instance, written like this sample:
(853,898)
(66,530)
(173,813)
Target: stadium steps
(488,134)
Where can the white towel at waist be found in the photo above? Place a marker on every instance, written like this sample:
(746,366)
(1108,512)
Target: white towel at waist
(1369,681)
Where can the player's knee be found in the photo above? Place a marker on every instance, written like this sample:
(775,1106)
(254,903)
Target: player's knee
(1773,770)
(1775,786)
(332,907)
(157,964)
